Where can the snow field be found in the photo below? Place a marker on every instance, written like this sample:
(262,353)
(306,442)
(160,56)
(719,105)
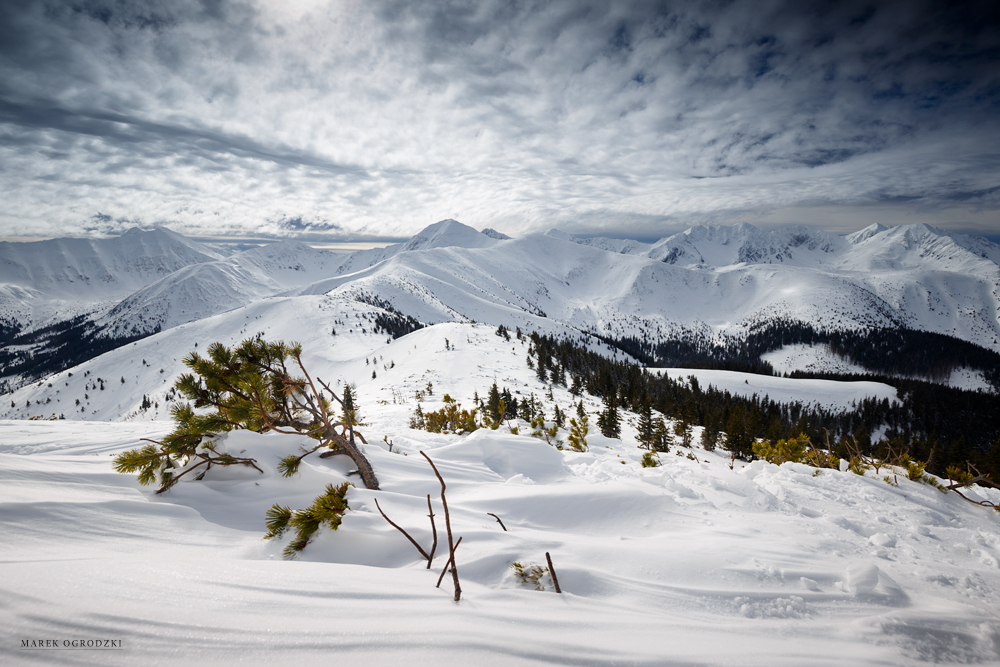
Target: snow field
(689,563)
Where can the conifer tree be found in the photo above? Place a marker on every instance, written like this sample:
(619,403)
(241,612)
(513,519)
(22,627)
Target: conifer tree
(510,404)
(578,431)
(248,387)
(661,436)
(646,426)
(350,411)
(709,438)
(608,421)
(493,404)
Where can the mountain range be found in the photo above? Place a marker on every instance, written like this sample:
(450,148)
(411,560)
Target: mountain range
(709,289)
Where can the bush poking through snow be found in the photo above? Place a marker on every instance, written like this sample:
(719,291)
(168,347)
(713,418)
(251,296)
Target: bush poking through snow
(782,451)
(248,387)
(649,460)
(530,574)
(328,508)
(796,450)
(578,431)
(546,433)
(449,419)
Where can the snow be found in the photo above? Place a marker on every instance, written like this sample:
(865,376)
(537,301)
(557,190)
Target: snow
(705,285)
(810,358)
(820,359)
(829,394)
(688,563)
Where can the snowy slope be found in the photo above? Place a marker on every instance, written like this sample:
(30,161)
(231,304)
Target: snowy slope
(207,289)
(47,280)
(612,293)
(828,394)
(706,284)
(689,563)
(444,234)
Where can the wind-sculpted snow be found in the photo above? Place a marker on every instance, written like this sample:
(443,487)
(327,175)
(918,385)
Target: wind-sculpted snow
(688,563)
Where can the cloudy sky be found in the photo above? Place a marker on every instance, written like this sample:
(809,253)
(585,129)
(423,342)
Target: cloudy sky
(372,119)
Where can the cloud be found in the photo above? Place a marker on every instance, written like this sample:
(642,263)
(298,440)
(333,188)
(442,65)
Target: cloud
(377,118)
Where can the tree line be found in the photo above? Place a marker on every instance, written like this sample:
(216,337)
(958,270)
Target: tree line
(883,351)
(940,425)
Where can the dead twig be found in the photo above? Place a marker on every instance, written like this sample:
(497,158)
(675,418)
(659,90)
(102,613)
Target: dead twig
(451,561)
(498,521)
(447,524)
(552,571)
(434,531)
(412,541)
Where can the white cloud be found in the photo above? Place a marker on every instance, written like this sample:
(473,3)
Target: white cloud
(377,118)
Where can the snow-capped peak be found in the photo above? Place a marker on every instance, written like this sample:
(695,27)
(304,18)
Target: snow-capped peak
(449,233)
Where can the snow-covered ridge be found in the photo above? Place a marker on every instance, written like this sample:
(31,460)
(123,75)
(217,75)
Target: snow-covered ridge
(45,281)
(719,281)
(754,564)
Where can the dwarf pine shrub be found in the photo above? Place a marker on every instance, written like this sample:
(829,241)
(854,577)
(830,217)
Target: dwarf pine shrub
(328,508)
(247,387)
(578,431)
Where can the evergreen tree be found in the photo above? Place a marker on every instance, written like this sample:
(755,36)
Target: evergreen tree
(493,404)
(609,421)
(661,437)
(682,433)
(248,387)
(524,411)
(709,438)
(350,414)
(510,403)
(417,421)
(646,426)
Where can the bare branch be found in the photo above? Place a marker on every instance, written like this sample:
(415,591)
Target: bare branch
(447,523)
(498,521)
(396,526)
(434,531)
(552,571)
(451,561)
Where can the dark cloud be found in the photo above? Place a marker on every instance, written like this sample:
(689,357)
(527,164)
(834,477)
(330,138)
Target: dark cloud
(380,117)
(151,137)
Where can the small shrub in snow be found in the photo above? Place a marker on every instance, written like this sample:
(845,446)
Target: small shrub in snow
(649,460)
(248,387)
(782,451)
(449,419)
(796,450)
(578,431)
(546,433)
(328,508)
(530,574)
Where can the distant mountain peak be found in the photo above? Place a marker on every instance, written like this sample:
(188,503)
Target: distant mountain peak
(560,234)
(494,234)
(449,233)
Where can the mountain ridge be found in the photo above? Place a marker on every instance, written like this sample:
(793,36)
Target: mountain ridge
(707,285)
